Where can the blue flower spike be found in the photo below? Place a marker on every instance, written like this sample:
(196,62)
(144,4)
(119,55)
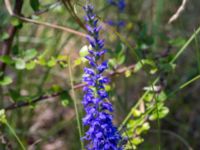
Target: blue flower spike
(101,134)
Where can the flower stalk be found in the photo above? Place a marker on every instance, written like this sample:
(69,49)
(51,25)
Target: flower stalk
(101,133)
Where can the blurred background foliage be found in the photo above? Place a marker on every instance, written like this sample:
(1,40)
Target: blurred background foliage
(35,88)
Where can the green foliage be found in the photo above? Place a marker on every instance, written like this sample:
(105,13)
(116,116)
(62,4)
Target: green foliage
(65,98)
(5,80)
(2,116)
(147,54)
(20,64)
(6,59)
(4,36)
(35,4)
(154,110)
(118,55)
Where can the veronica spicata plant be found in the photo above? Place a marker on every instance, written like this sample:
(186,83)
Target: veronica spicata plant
(120,4)
(101,133)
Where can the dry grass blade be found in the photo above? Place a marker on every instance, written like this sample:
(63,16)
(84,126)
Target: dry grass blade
(178,12)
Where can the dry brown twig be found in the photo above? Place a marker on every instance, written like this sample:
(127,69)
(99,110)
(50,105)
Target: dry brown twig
(178,12)
(11,31)
(9,8)
(77,86)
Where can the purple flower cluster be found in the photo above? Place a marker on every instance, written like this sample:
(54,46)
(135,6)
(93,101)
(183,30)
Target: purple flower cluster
(119,24)
(101,133)
(119,3)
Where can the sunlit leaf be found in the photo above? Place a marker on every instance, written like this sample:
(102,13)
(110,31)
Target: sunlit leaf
(30,54)
(30,65)
(159,114)
(51,62)
(6,59)
(4,36)
(6,80)
(84,51)
(20,64)
(65,98)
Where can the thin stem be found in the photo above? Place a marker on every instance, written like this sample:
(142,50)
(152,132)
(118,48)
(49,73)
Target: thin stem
(75,104)
(189,82)
(24,103)
(158,123)
(15,135)
(135,106)
(197,52)
(186,45)
(157,21)
(175,135)
(157,79)
(8,6)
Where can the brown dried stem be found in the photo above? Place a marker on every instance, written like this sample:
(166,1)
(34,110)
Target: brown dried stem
(77,86)
(55,26)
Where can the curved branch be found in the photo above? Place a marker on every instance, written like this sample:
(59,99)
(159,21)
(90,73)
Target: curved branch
(77,86)
(178,12)
(8,6)
(12,30)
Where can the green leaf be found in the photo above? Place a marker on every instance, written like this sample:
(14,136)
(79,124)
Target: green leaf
(145,126)
(51,62)
(77,62)
(15,21)
(2,116)
(119,49)
(62,57)
(121,59)
(6,59)
(136,113)
(20,64)
(65,97)
(84,51)
(35,4)
(153,70)
(148,62)
(4,36)
(138,67)
(6,80)
(107,88)
(30,54)
(162,96)
(15,95)
(56,88)
(41,61)
(31,65)
(137,141)
(15,50)
(167,67)
(159,114)
(112,63)
(149,97)
(178,42)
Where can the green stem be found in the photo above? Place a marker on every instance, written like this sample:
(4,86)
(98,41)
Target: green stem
(75,104)
(189,82)
(181,139)
(156,80)
(198,53)
(186,45)
(158,123)
(157,21)
(15,135)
